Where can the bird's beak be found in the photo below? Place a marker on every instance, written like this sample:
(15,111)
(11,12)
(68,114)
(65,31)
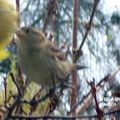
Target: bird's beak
(19,33)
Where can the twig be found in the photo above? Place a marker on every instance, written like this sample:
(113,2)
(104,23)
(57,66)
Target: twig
(93,90)
(16,101)
(16,84)
(88,27)
(5,87)
(18,5)
(62,117)
(33,101)
(87,99)
(52,7)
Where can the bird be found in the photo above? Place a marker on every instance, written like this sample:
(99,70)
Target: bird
(40,59)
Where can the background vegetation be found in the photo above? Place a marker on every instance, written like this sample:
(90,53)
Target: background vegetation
(100,52)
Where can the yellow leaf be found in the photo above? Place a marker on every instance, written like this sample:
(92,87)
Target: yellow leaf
(4,54)
(8,22)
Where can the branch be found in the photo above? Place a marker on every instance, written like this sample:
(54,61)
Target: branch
(88,27)
(74,46)
(93,90)
(86,101)
(16,101)
(18,5)
(62,117)
(52,8)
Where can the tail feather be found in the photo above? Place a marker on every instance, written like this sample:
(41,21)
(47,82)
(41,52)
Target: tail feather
(79,67)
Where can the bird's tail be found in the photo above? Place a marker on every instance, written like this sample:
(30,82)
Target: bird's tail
(79,67)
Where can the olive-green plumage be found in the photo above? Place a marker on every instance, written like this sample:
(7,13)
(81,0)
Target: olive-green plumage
(40,59)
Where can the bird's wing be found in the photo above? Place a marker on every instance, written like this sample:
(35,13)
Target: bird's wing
(55,51)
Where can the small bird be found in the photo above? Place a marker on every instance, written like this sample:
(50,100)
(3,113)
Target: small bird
(40,59)
(9,18)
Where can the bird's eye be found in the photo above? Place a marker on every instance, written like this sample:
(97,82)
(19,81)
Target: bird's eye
(27,31)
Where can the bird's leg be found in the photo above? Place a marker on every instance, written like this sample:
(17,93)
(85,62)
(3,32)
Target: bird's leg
(64,82)
(53,80)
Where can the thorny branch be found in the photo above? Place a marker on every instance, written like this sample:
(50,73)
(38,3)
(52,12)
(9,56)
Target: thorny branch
(18,97)
(87,99)
(93,91)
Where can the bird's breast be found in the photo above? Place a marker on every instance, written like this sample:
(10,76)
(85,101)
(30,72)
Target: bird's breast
(37,67)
